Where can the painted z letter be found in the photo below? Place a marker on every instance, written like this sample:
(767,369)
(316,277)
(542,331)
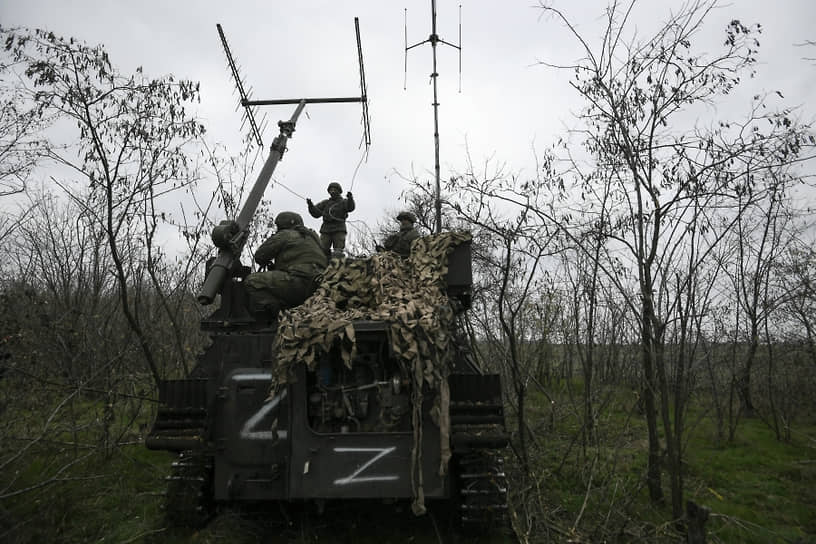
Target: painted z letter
(249,432)
(355,477)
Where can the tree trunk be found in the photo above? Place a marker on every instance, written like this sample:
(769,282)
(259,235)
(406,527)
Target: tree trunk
(649,360)
(696,518)
(653,468)
(744,381)
(672,444)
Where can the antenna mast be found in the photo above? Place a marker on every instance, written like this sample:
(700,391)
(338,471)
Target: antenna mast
(230,236)
(433,39)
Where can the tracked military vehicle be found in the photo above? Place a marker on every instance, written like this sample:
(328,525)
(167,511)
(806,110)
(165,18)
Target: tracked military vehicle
(333,432)
(366,391)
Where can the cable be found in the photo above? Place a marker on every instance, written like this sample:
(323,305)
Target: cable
(364,157)
(354,175)
(288,189)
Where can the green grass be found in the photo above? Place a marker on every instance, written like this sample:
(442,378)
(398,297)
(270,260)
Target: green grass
(759,489)
(121,500)
(101,499)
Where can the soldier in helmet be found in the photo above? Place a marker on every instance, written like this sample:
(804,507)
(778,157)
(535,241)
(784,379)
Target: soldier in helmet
(400,242)
(334,211)
(293,258)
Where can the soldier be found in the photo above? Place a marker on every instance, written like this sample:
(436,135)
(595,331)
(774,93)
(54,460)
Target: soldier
(401,241)
(334,211)
(293,258)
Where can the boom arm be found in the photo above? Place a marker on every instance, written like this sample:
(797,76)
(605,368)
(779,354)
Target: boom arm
(230,249)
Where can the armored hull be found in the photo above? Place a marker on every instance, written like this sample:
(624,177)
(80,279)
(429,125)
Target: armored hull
(349,425)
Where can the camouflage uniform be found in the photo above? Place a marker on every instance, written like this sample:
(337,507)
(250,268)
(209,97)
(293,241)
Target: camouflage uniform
(401,241)
(334,212)
(298,260)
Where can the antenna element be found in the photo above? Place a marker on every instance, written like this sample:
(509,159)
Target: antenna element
(248,116)
(249,104)
(433,39)
(230,236)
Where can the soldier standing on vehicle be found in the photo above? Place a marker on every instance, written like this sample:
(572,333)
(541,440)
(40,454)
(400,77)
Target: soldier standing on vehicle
(294,259)
(334,211)
(400,242)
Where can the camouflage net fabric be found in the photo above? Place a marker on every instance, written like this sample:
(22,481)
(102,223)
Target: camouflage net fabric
(408,294)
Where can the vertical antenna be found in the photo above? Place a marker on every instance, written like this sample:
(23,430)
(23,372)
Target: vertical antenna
(405,72)
(433,39)
(363,89)
(460,48)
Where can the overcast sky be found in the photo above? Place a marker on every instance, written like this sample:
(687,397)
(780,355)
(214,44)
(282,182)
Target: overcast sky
(307,48)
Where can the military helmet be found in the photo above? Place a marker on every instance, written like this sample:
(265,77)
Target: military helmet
(334,185)
(287,220)
(408,216)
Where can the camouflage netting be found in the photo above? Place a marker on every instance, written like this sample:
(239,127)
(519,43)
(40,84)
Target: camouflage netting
(406,293)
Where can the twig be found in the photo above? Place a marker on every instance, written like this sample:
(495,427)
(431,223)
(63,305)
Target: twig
(137,537)
(745,525)
(436,529)
(586,496)
(54,479)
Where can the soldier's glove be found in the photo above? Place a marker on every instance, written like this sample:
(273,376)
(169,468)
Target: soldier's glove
(349,196)
(309,201)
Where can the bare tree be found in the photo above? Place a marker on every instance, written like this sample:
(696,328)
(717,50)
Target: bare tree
(22,121)
(675,194)
(130,146)
(22,146)
(797,267)
(761,236)
(509,253)
(71,378)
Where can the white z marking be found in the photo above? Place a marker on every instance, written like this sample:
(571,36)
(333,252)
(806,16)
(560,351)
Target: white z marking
(353,477)
(248,432)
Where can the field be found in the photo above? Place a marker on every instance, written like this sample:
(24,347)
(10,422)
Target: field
(758,489)
(582,487)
